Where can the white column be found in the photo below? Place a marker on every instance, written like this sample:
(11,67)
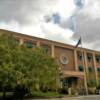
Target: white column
(38,44)
(85,71)
(75,57)
(21,41)
(53,50)
(95,69)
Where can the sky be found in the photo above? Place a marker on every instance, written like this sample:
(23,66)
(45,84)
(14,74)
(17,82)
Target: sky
(59,20)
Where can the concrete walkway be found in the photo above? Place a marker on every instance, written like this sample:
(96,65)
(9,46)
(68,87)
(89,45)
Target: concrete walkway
(89,97)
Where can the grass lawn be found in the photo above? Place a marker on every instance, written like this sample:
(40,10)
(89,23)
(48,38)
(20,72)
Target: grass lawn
(7,94)
(36,94)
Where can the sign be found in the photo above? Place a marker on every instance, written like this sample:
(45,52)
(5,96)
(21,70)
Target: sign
(63,59)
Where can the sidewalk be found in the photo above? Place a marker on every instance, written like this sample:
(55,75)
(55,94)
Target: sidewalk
(88,97)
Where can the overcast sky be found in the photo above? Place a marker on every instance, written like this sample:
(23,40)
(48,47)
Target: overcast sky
(60,20)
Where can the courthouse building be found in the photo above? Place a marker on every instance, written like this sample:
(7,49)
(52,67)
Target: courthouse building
(79,67)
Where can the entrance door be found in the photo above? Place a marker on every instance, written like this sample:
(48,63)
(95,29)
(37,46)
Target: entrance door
(70,82)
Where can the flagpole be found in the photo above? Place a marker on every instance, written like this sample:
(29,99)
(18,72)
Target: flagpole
(79,5)
(83,63)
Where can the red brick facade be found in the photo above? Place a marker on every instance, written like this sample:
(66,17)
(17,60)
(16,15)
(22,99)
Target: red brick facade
(82,63)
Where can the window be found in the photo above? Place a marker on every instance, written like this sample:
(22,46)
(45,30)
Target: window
(80,56)
(46,48)
(98,69)
(29,44)
(97,59)
(81,68)
(17,41)
(89,57)
(90,68)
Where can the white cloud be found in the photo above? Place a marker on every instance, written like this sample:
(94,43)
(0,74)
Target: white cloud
(65,8)
(33,30)
(88,22)
(13,26)
(36,26)
(55,29)
(92,8)
(25,16)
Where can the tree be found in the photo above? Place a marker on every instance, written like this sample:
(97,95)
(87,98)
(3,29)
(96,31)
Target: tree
(46,70)
(6,63)
(31,67)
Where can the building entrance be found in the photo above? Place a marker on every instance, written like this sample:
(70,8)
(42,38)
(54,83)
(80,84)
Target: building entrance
(74,85)
(71,84)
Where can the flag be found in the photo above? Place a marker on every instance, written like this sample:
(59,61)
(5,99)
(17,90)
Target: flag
(79,42)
